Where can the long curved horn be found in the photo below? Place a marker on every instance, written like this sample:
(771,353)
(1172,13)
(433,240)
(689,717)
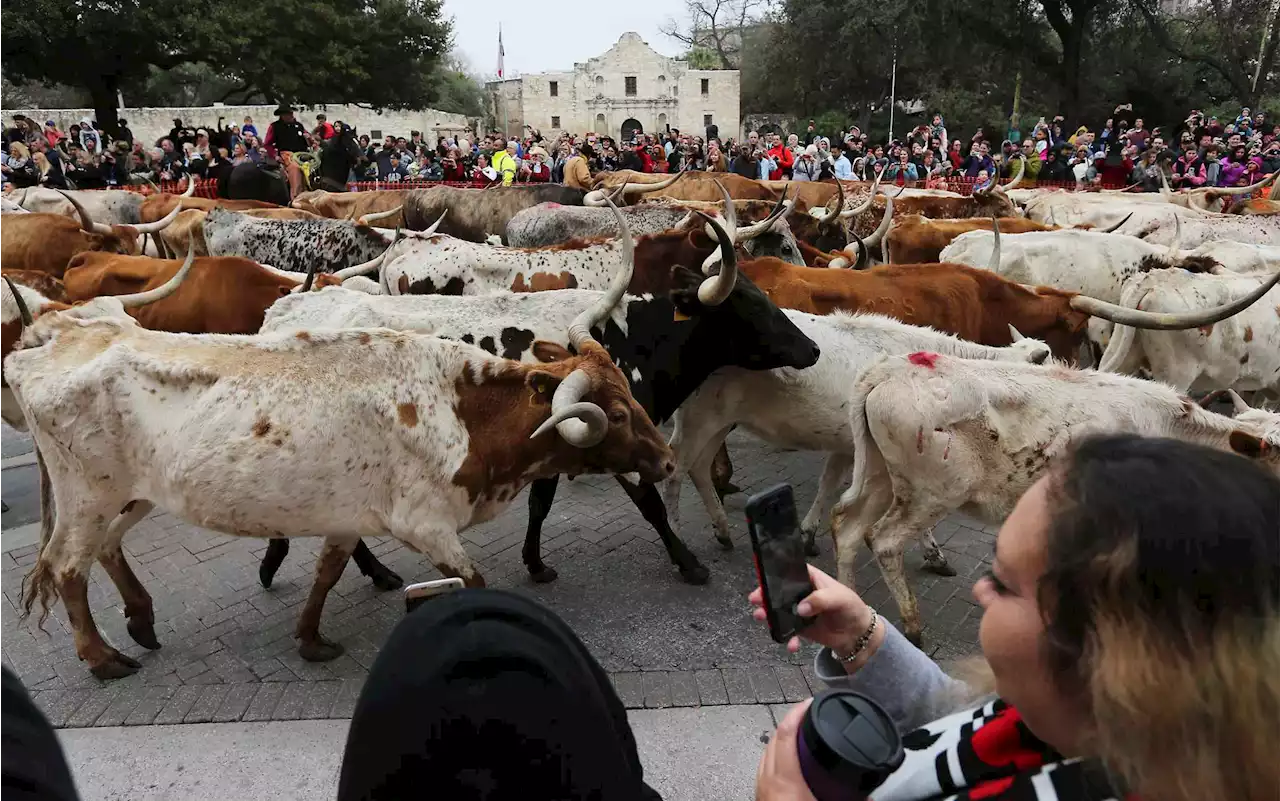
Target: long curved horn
(730,226)
(1120,191)
(1053,217)
(597,197)
(164,290)
(309,280)
(878,234)
(994,264)
(373,217)
(87,223)
(23,311)
(1137,318)
(190,191)
(1237,403)
(860,261)
(579,423)
(432,228)
(1248,190)
(370,265)
(1022,167)
(715,290)
(160,224)
(757,229)
(580,328)
(1165,191)
(1112,229)
(871,198)
(1176,244)
(823,216)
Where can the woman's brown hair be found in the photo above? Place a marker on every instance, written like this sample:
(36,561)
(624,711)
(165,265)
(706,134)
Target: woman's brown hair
(1162,607)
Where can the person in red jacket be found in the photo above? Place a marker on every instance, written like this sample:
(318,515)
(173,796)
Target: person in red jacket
(783,159)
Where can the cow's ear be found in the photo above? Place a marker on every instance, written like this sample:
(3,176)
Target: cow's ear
(545,351)
(684,291)
(543,385)
(1246,444)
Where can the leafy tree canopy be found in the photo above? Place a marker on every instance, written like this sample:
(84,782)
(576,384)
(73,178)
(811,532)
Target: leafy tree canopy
(384,53)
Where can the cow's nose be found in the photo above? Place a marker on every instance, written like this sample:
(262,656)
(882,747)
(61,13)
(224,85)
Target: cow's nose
(817,353)
(668,467)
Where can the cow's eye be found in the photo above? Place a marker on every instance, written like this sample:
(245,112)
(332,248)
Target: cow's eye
(618,416)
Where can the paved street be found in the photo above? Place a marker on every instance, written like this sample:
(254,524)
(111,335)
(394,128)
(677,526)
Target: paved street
(228,649)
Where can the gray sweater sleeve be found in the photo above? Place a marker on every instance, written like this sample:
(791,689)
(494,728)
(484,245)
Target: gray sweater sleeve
(907,683)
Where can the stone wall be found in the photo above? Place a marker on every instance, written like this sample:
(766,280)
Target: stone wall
(149,124)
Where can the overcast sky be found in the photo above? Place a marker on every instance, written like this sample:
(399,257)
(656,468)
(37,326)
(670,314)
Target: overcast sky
(537,42)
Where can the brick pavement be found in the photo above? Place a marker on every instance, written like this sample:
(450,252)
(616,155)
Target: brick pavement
(228,650)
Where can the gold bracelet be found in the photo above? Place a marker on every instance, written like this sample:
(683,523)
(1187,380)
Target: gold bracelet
(860,644)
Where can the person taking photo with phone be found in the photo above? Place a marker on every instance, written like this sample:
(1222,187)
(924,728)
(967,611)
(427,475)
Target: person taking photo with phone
(1130,622)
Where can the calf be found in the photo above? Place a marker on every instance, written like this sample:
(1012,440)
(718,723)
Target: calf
(666,343)
(236,434)
(806,409)
(934,434)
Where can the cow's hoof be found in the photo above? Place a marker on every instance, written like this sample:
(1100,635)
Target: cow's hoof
(265,575)
(115,666)
(386,579)
(543,575)
(320,650)
(915,638)
(726,542)
(695,574)
(811,547)
(942,568)
(143,632)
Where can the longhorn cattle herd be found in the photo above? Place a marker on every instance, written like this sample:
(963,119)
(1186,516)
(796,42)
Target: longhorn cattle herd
(403,363)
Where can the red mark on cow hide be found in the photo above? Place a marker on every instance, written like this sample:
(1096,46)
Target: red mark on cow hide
(920,440)
(551,205)
(923,358)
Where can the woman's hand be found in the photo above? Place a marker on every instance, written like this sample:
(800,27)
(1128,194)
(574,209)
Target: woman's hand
(841,616)
(779,778)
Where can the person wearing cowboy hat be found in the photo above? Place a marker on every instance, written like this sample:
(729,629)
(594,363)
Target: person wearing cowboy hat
(285,135)
(577,171)
(537,166)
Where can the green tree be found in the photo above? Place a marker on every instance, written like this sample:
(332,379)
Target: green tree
(380,52)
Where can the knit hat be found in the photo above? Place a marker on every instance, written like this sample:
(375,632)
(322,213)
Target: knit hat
(811,150)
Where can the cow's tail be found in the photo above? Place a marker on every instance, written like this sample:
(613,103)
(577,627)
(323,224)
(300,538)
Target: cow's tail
(39,583)
(860,436)
(1120,348)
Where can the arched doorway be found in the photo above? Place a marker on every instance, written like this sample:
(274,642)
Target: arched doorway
(629,128)
(662,123)
(602,127)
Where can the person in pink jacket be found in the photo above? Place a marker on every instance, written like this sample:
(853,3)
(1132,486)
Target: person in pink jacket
(1187,173)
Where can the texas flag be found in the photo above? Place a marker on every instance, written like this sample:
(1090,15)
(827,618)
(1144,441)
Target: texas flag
(501,52)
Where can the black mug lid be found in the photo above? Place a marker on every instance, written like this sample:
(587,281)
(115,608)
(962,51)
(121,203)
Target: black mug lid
(847,730)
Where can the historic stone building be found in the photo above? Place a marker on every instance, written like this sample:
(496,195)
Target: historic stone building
(629,87)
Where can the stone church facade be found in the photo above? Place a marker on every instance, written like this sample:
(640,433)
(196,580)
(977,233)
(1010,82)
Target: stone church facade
(629,87)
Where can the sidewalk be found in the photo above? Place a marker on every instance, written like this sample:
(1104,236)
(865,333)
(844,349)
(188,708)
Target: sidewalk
(702,753)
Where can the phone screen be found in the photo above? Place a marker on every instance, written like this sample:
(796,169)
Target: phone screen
(780,563)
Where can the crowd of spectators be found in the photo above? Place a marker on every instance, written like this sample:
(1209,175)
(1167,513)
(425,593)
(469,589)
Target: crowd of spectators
(1202,151)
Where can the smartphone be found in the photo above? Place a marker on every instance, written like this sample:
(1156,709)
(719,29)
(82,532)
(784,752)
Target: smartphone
(416,595)
(781,570)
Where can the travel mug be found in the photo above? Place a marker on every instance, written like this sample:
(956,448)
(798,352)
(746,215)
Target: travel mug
(848,746)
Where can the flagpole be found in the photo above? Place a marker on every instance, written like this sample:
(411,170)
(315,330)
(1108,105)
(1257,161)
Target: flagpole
(502,78)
